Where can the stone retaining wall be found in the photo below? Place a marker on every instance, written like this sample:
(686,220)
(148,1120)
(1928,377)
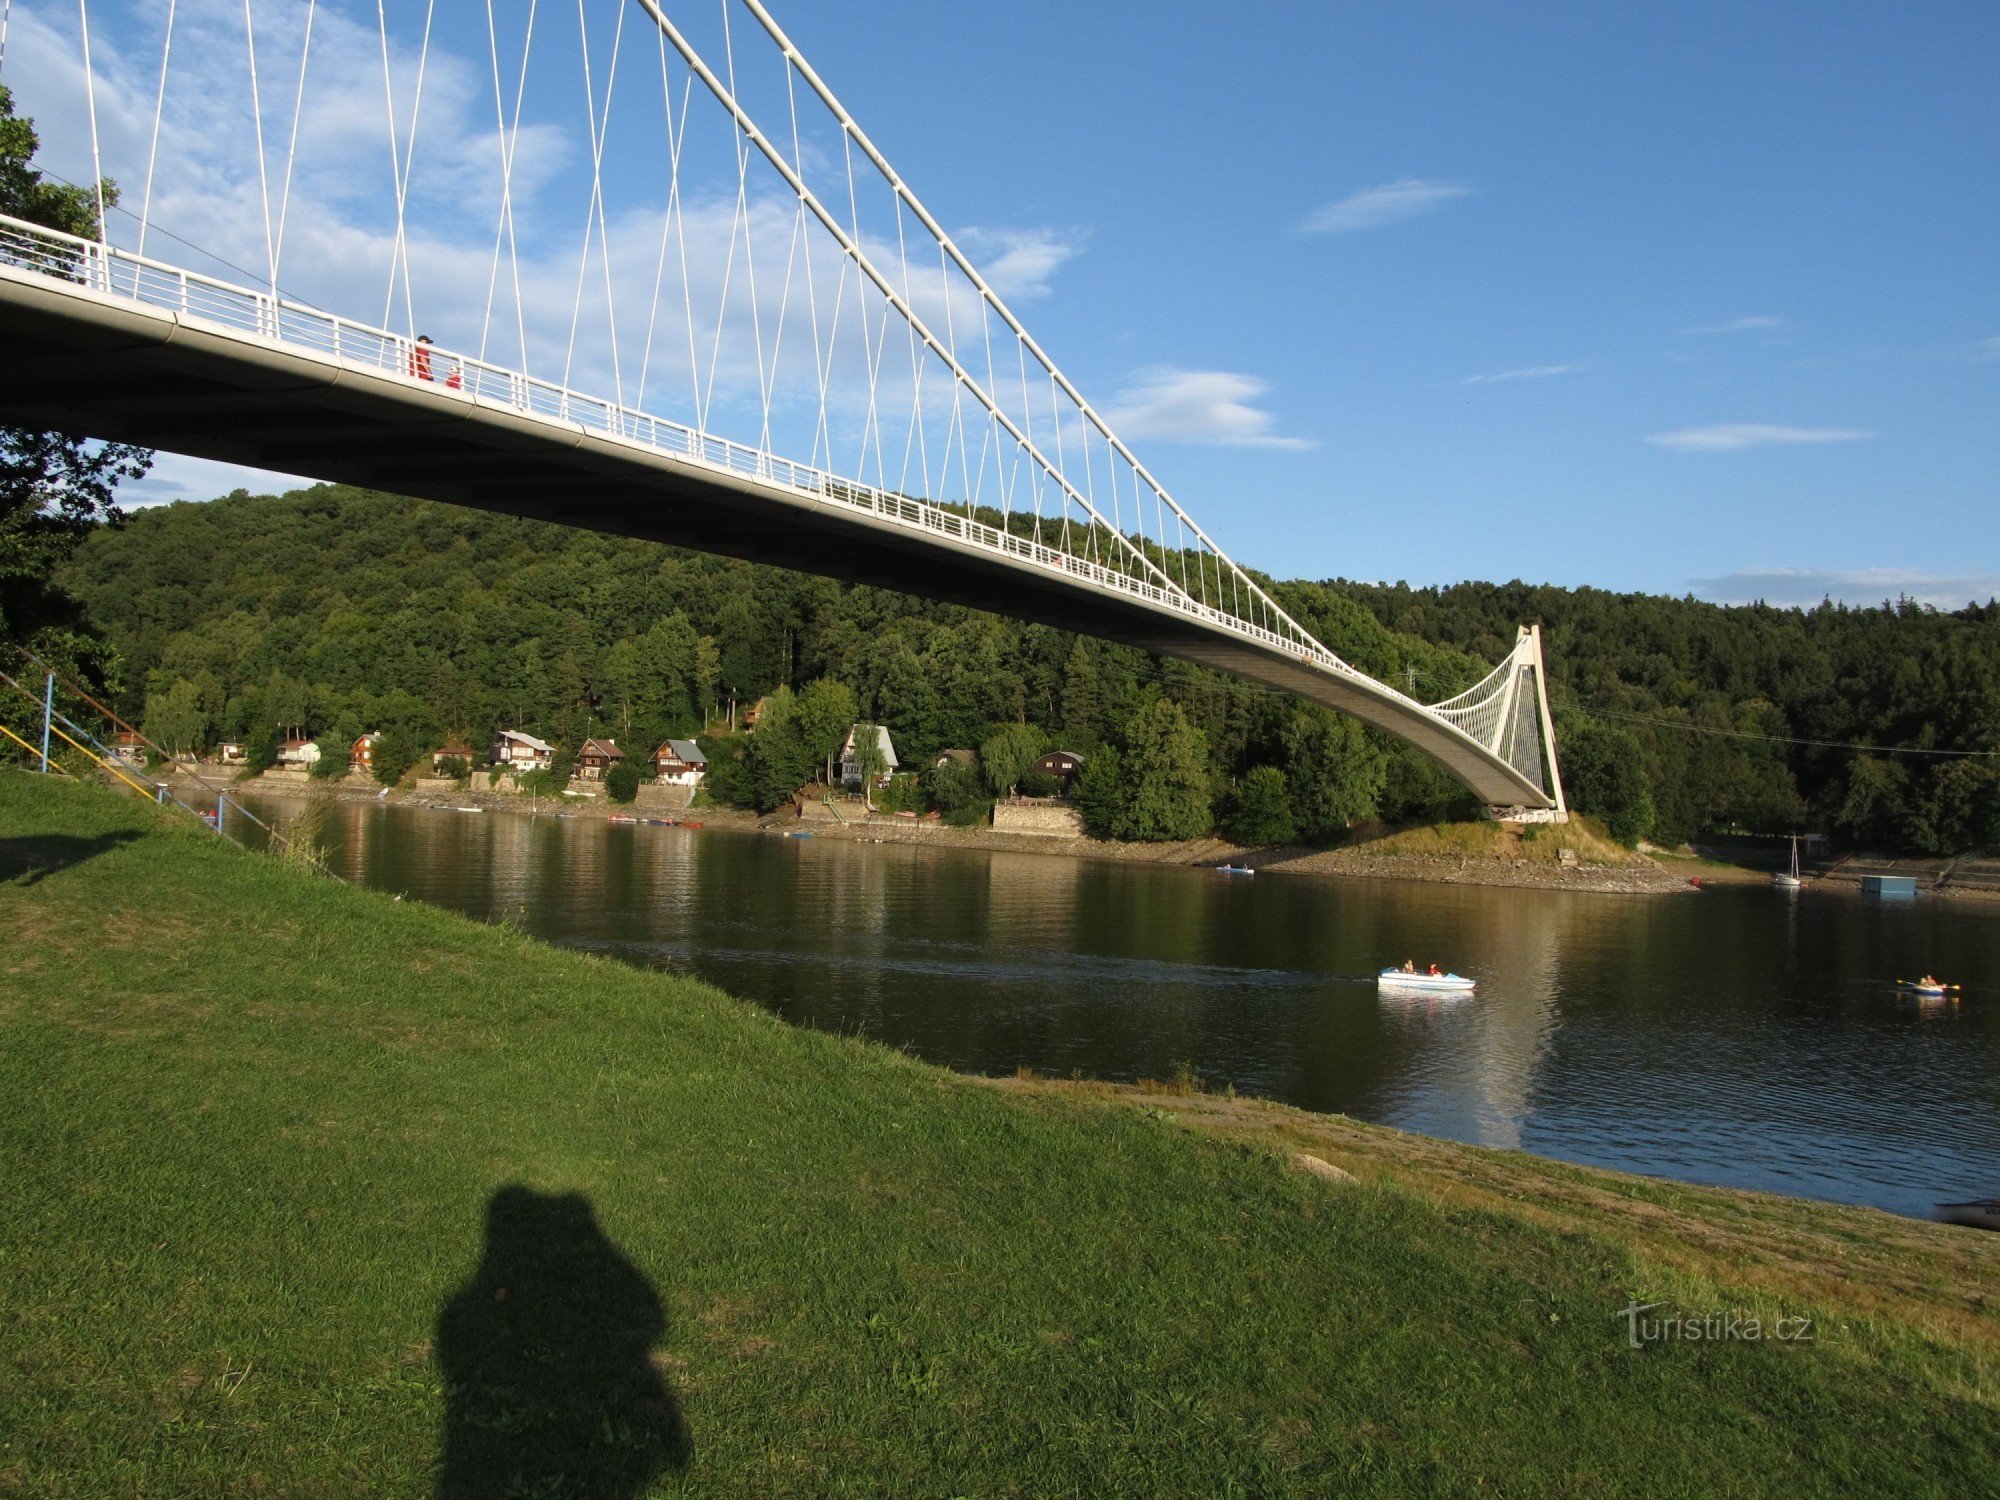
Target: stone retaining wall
(1032,815)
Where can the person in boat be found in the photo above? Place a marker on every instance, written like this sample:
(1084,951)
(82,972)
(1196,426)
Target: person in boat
(1409,966)
(1930,982)
(1435,970)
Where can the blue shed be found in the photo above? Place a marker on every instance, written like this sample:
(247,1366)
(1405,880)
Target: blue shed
(1895,887)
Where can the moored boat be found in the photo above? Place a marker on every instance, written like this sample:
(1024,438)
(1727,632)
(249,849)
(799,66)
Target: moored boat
(1979,1213)
(1234,870)
(1789,880)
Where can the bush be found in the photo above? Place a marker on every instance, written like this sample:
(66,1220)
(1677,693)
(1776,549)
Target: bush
(452,767)
(958,791)
(621,782)
(904,793)
(540,782)
(1039,784)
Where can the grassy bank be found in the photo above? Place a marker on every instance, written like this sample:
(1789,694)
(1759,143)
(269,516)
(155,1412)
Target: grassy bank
(313,1193)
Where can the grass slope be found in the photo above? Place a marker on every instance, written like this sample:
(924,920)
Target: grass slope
(276,1152)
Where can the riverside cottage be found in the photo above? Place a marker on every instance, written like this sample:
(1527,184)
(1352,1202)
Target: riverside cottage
(361,754)
(515,751)
(679,763)
(454,749)
(298,755)
(1062,765)
(850,761)
(596,758)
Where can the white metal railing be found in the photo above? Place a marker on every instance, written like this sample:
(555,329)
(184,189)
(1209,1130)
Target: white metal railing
(113,272)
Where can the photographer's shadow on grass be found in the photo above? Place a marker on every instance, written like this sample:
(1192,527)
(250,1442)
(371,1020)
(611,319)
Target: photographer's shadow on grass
(550,1386)
(29,861)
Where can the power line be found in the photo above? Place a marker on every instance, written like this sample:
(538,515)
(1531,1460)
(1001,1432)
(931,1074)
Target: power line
(1779,739)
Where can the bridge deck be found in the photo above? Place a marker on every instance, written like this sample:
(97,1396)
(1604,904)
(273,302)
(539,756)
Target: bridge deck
(81,361)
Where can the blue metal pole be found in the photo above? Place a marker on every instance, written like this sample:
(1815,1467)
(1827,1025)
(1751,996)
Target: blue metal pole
(48,717)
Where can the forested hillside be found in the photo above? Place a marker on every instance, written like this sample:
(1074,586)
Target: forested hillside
(334,611)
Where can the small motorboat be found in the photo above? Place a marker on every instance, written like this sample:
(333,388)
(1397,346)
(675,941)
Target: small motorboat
(1979,1213)
(1930,989)
(1234,870)
(1404,979)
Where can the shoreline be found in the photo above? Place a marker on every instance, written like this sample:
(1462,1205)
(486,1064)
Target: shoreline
(1647,873)
(1641,877)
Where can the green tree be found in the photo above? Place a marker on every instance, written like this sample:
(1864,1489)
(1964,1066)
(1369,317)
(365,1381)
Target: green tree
(1166,777)
(780,760)
(394,753)
(707,673)
(1007,755)
(958,792)
(1082,698)
(175,721)
(1335,773)
(1603,771)
(54,489)
(621,782)
(1099,791)
(869,760)
(823,712)
(1260,808)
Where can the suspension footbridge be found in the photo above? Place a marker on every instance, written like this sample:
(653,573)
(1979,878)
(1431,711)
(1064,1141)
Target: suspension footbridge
(775,285)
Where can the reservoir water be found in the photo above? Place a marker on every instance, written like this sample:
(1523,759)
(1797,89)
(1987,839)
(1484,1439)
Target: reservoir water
(1736,1036)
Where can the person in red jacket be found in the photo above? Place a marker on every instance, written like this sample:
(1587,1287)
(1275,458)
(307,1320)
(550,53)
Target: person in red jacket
(420,357)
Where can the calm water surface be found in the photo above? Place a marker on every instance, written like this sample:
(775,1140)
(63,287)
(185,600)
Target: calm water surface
(1736,1036)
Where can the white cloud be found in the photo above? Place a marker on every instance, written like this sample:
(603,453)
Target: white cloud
(1740,325)
(1987,348)
(1859,586)
(1198,406)
(1526,372)
(1727,437)
(175,476)
(1393,202)
(1018,263)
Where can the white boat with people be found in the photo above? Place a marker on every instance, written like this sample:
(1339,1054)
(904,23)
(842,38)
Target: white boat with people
(1432,979)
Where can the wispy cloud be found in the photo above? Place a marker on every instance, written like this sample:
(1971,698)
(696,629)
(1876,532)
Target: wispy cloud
(1740,325)
(1526,372)
(1019,263)
(1391,203)
(1728,437)
(1863,586)
(1199,406)
(1987,348)
(175,476)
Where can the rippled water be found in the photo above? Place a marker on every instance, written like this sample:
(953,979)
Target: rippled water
(1737,1036)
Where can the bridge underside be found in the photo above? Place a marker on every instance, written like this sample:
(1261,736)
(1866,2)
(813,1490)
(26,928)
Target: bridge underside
(119,372)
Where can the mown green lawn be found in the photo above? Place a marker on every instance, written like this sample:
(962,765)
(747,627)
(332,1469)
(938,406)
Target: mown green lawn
(307,1192)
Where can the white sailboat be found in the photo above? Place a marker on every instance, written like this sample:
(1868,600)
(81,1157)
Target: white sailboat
(1790,882)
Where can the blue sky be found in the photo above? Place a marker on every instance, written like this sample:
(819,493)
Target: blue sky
(1693,298)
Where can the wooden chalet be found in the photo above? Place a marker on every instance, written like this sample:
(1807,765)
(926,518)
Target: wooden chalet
(596,758)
